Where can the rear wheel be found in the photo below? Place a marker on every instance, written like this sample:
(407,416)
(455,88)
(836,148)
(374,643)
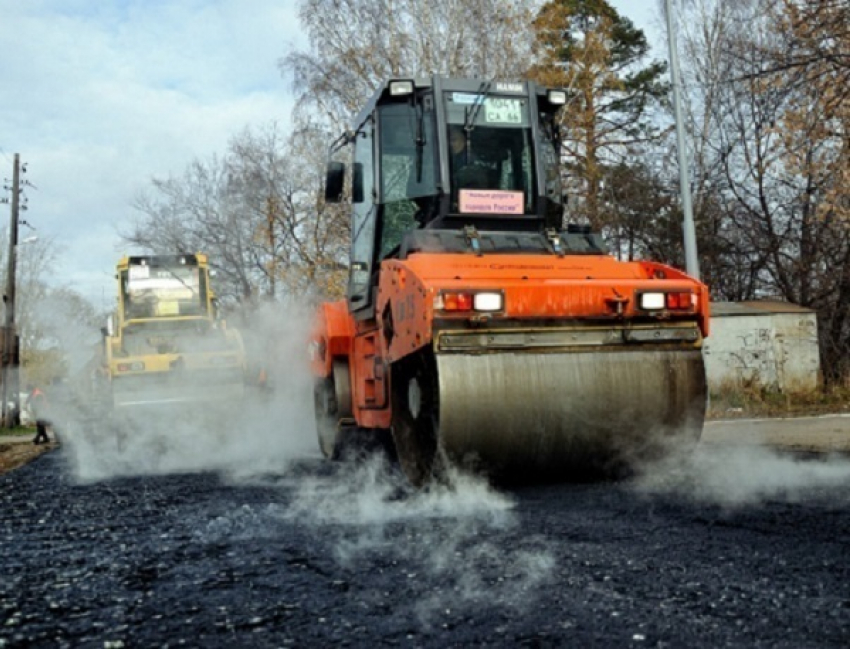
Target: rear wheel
(332,402)
(415,417)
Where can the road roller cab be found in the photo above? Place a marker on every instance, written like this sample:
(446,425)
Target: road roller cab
(476,328)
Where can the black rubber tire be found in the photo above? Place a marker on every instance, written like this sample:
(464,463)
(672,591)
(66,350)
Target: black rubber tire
(415,426)
(327,416)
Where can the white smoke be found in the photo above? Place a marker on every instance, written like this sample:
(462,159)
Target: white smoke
(445,534)
(375,493)
(262,431)
(444,543)
(735,475)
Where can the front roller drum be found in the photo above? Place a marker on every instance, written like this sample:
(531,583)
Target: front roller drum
(547,416)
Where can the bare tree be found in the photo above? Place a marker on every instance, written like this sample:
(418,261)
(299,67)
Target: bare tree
(768,141)
(356,44)
(35,262)
(198,212)
(300,239)
(813,58)
(68,326)
(46,312)
(258,212)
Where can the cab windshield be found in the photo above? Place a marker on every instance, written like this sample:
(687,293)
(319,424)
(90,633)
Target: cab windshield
(162,292)
(491,159)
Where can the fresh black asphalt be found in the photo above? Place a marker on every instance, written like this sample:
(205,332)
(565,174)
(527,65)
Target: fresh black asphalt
(339,554)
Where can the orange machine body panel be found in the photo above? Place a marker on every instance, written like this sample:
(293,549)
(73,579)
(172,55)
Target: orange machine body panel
(331,337)
(537,292)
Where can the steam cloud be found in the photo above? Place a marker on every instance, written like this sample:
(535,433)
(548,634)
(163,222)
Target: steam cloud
(740,475)
(264,432)
(449,534)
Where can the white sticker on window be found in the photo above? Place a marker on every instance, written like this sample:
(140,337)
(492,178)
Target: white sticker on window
(499,110)
(490,201)
(465,98)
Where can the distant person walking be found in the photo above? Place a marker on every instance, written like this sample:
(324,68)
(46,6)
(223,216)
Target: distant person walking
(37,405)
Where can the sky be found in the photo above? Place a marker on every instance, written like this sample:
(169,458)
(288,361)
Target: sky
(99,98)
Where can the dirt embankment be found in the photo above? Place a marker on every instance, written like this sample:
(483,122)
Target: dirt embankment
(17,451)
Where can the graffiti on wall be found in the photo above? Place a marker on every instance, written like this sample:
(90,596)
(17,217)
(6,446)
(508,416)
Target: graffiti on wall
(754,359)
(750,351)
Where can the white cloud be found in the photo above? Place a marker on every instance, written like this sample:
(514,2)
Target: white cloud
(101,97)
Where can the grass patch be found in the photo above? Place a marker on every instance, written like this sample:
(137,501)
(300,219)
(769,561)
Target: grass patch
(733,401)
(18,430)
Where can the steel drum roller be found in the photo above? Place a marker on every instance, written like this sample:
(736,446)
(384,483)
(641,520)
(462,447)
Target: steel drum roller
(534,414)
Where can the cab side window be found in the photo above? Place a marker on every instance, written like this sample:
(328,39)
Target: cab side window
(363,219)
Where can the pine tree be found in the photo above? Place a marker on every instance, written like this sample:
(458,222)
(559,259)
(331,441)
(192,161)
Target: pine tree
(586,47)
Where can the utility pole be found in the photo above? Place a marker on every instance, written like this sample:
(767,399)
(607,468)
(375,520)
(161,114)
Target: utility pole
(691,259)
(10,336)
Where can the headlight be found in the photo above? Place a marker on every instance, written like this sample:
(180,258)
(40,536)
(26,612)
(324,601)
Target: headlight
(652,301)
(557,97)
(400,88)
(483,301)
(487,302)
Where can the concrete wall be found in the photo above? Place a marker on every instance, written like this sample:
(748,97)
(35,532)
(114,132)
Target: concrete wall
(770,344)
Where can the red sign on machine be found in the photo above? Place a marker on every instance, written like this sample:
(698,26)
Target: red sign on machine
(490,201)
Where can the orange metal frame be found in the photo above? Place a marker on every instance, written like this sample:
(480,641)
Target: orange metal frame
(536,289)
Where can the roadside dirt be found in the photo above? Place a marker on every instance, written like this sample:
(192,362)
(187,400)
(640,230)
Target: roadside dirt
(17,452)
(817,434)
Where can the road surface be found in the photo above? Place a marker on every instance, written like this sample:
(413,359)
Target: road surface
(739,546)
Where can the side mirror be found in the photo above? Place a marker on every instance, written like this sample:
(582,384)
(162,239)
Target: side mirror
(334,181)
(357,183)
